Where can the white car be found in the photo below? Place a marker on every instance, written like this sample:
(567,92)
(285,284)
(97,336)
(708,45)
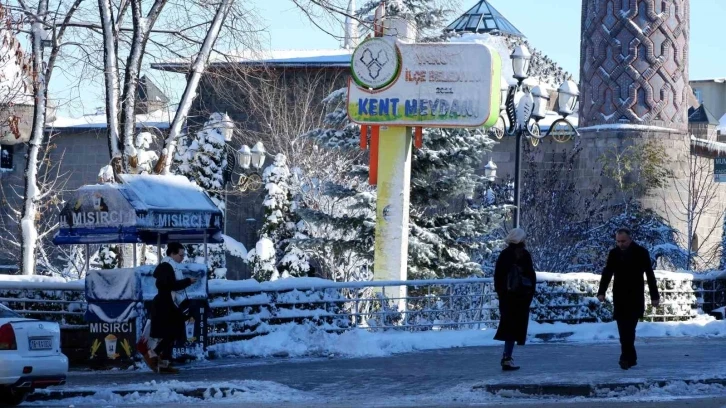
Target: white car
(30,356)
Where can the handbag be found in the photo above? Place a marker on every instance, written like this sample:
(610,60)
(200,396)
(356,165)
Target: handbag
(517,283)
(185,306)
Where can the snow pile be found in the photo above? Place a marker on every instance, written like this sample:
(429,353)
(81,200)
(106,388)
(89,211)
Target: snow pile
(167,192)
(166,392)
(234,247)
(297,341)
(670,390)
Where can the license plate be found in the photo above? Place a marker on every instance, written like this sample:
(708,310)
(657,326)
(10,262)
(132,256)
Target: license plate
(41,344)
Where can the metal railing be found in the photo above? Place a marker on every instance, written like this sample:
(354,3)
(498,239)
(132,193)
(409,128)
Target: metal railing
(61,302)
(241,311)
(429,305)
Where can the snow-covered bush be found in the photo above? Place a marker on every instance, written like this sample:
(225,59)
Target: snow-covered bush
(108,256)
(262,260)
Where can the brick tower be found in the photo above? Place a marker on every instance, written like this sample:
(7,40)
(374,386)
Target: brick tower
(634,65)
(634,89)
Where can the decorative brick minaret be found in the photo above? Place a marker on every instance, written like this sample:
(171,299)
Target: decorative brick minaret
(634,90)
(634,65)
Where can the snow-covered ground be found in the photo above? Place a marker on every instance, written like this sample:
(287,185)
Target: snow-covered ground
(296,340)
(266,392)
(151,393)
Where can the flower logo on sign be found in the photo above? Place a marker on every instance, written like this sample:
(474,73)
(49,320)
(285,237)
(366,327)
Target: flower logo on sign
(375,63)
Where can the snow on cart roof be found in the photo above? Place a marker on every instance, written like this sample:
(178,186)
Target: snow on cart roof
(140,209)
(170,192)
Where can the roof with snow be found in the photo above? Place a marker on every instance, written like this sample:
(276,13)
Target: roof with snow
(158,119)
(716,80)
(701,115)
(321,58)
(483,18)
(141,209)
(707,148)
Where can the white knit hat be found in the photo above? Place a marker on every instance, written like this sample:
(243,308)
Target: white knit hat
(515,236)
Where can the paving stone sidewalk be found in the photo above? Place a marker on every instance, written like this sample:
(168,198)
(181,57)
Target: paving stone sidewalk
(557,369)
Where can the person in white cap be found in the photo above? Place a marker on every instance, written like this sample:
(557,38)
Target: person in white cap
(514,281)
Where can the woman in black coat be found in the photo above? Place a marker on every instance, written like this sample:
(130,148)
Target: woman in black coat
(515,296)
(167,320)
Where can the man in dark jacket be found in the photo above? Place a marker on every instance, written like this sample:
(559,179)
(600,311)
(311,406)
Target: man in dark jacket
(167,319)
(627,263)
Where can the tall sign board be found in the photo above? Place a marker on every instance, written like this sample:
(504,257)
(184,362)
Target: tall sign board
(398,86)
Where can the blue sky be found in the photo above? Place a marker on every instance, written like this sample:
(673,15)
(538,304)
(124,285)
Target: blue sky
(553,26)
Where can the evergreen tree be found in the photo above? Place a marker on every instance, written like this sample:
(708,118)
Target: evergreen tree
(338,228)
(278,229)
(203,162)
(446,229)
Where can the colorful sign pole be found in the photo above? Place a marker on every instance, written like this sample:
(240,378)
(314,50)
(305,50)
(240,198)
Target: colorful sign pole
(397,87)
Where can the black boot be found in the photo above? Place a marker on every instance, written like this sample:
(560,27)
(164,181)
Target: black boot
(508,364)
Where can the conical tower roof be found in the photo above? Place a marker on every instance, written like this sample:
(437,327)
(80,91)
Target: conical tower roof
(483,18)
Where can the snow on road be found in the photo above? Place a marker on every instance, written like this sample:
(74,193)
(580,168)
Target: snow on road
(152,393)
(259,393)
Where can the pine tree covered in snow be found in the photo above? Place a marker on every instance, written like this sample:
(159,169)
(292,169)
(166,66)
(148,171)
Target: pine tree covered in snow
(203,161)
(278,229)
(445,229)
(338,228)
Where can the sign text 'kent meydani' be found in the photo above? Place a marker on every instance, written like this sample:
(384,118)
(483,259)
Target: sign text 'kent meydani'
(424,84)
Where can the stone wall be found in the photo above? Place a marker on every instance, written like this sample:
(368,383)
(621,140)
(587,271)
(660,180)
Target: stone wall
(634,63)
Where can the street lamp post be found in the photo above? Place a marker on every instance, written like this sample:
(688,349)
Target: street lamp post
(250,159)
(521,110)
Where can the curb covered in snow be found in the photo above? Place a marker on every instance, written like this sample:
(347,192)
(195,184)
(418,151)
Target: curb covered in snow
(587,390)
(194,392)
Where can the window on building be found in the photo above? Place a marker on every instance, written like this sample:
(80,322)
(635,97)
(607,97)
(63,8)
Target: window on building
(699,96)
(6,157)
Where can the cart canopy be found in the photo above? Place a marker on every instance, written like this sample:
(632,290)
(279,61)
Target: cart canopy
(146,209)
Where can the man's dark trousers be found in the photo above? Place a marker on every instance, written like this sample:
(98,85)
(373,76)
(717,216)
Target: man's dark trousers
(626,329)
